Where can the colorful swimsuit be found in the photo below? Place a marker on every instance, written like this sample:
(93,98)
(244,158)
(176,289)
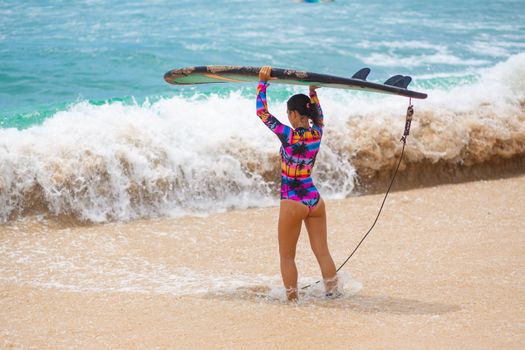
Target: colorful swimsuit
(299,148)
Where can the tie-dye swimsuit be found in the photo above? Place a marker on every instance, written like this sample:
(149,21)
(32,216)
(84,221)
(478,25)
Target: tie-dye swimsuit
(299,148)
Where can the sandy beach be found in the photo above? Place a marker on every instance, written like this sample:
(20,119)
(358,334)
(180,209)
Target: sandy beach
(136,213)
(443,269)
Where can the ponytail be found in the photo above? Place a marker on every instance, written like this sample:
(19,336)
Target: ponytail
(304,106)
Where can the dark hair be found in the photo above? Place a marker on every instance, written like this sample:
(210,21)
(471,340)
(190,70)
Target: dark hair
(302,104)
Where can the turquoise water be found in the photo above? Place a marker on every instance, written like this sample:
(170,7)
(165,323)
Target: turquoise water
(90,130)
(57,53)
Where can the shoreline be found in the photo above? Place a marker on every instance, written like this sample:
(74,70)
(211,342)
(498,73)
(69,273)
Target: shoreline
(410,177)
(429,174)
(440,270)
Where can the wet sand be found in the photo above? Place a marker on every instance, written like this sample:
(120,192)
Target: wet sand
(443,269)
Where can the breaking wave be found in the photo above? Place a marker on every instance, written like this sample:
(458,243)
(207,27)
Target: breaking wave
(183,155)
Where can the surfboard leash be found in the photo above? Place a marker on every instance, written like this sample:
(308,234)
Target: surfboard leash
(408,122)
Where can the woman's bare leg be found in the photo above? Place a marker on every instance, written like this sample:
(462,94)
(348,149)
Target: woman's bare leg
(317,232)
(291,216)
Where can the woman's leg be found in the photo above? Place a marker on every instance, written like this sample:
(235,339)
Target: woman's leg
(291,216)
(317,232)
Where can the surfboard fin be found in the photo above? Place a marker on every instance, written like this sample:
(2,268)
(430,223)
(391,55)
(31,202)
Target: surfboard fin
(399,81)
(403,83)
(393,80)
(362,74)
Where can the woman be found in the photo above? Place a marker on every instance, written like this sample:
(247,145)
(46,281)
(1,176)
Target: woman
(300,200)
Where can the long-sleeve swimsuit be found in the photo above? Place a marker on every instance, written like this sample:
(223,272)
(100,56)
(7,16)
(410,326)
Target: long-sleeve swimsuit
(299,148)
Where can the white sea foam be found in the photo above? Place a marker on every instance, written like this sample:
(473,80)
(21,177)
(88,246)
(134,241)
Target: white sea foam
(409,44)
(203,154)
(442,56)
(43,262)
(488,48)
(425,53)
(446,75)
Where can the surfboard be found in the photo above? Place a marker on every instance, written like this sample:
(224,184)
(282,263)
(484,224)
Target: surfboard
(396,85)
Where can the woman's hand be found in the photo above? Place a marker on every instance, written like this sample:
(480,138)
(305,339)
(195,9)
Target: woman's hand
(265,73)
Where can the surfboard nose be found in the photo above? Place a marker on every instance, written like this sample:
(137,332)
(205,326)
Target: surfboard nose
(174,74)
(170,76)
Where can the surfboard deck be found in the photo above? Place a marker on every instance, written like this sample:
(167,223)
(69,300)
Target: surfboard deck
(396,85)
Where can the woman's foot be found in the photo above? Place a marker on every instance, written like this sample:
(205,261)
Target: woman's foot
(332,289)
(291,294)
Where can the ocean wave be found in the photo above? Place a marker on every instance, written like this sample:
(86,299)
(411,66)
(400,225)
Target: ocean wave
(439,57)
(183,155)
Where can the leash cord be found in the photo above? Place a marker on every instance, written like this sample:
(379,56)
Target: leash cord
(410,113)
